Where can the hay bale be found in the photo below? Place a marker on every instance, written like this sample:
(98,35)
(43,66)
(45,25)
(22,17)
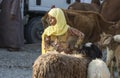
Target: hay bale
(56,65)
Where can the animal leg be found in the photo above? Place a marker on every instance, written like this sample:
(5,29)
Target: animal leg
(110,56)
(110,66)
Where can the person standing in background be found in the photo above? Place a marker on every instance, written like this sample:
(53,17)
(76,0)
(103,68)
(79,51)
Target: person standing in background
(11,26)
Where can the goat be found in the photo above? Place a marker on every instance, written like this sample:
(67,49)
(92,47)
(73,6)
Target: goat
(91,50)
(111,43)
(98,69)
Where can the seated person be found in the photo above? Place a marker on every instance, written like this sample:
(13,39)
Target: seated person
(59,35)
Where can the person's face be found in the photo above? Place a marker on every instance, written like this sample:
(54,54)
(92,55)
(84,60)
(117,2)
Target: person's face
(52,20)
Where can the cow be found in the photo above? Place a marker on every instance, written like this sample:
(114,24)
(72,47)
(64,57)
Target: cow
(93,6)
(92,24)
(111,10)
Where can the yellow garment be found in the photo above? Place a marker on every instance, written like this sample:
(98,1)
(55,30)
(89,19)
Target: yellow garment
(59,28)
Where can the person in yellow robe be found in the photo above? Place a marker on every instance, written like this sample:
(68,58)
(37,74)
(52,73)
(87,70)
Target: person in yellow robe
(59,36)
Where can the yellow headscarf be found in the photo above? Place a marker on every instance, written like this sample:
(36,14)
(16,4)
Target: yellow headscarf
(59,28)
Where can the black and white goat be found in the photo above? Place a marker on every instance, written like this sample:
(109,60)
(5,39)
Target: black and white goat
(97,68)
(90,50)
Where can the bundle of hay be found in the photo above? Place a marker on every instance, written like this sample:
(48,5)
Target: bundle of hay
(56,65)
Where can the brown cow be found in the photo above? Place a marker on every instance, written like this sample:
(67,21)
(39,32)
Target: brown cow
(111,10)
(90,23)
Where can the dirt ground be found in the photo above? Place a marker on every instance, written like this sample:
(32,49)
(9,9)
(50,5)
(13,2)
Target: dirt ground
(18,64)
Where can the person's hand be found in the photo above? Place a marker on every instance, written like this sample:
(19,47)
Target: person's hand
(47,40)
(78,43)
